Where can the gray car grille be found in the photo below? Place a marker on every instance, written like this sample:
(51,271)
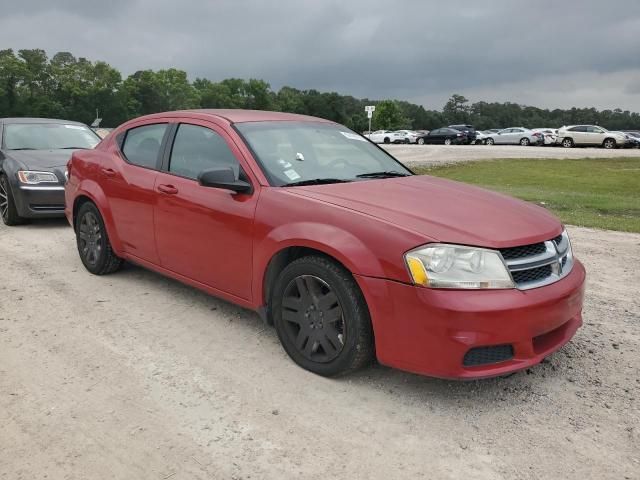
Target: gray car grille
(539,264)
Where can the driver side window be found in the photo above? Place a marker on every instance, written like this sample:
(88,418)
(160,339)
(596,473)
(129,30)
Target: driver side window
(196,149)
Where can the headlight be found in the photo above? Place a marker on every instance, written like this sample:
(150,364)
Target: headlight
(441,265)
(32,178)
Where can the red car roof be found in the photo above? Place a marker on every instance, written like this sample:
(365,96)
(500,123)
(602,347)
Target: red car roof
(239,115)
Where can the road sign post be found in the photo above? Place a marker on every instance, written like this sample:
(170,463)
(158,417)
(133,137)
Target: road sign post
(370,109)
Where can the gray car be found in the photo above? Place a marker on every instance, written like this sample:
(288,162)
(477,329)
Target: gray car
(515,136)
(33,159)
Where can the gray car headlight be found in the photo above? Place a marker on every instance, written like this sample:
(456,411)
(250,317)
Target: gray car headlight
(440,265)
(32,178)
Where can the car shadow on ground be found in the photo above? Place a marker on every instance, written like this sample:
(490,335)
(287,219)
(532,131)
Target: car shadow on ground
(523,386)
(45,223)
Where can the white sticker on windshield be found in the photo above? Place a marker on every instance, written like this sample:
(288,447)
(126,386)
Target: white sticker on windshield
(353,136)
(292,174)
(75,127)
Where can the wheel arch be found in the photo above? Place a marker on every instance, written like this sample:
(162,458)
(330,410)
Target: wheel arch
(272,257)
(91,192)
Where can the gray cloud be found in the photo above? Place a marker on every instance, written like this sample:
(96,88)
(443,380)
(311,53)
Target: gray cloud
(544,53)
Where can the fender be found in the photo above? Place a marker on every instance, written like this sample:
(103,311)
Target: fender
(91,189)
(329,239)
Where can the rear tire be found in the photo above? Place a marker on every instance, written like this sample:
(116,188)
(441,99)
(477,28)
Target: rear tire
(8,209)
(321,317)
(447,141)
(93,242)
(387,140)
(609,143)
(525,142)
(567,143)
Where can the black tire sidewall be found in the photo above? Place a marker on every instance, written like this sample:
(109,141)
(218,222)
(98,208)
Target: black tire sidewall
(355,314)
(104,240)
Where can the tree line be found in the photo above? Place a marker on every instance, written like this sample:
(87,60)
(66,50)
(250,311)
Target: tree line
(63,86)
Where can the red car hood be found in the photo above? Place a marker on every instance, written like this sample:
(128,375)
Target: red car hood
(443,210)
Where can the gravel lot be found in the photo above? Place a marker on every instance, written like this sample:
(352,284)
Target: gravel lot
(137,376)
(430,155)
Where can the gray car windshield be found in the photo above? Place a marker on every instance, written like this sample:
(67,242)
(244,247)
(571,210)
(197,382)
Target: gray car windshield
(48,136)
(297,152)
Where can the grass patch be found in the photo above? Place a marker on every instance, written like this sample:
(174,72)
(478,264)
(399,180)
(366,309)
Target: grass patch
(590,192)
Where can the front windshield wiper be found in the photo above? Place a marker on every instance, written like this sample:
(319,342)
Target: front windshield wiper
(316,181)
(387,174)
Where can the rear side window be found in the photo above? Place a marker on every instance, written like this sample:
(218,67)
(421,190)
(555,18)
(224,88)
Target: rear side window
(196,149)
(579,128)
(142,144)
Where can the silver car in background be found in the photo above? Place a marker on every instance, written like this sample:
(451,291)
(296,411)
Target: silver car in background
(515,136)
(549,135)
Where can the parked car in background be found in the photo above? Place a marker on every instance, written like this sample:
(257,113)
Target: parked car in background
(589,135)
(409,135)
(481,137)
(33,162)
(468,130)
(443,136)
(333,241)
(632,139)
(515,136)
(385,136)
(549,135)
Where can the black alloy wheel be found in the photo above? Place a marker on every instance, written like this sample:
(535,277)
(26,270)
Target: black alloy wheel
(313,318)
(93,242)
(321,317)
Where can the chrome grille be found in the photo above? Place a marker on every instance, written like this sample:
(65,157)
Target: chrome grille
(539,264)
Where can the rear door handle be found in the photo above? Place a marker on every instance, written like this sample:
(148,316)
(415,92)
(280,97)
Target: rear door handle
(108,172)
(168,189)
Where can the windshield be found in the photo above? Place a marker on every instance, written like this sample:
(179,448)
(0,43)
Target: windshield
(48,136)
(294,152)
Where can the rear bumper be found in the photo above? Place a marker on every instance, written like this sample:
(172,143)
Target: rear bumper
(430,331)
(35,201)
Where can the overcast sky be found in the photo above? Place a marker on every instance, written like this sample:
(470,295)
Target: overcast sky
(544,53)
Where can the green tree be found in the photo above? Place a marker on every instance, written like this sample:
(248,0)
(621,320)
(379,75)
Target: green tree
(388,116)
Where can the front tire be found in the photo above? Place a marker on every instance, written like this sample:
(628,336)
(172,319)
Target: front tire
(420,141)
(524,142)
(609,143)
(490,141)
(93,242)
(447,141)
(8,209)
(567,143)
(387,140)
(321,317)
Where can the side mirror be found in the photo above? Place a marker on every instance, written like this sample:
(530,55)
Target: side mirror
(223,178)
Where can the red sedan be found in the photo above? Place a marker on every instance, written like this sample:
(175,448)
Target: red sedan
(348,253)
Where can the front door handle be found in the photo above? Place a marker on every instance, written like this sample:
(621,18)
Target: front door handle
(168,189)
(108,172)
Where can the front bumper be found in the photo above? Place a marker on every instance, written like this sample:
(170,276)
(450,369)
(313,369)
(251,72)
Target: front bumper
(36,201)
(429,331)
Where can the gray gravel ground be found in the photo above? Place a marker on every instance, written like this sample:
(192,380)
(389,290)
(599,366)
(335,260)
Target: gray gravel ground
(431,155)
(136,376)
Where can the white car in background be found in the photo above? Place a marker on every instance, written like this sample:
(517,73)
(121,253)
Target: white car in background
(589,135)
(409,135)
(549,135)
(515,136)
(481,137)
(385,136)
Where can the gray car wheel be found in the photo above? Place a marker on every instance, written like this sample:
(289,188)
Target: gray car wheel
(490,141)
(8,209)
(609,143)
(524,142)
(567,143)
(420,141)
(447,141)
